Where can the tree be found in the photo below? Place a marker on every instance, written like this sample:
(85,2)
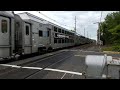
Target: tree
(110,29)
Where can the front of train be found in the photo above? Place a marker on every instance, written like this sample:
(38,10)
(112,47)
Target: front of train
(6,35)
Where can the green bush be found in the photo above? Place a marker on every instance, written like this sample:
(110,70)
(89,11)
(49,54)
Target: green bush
(112,48)
(116,48)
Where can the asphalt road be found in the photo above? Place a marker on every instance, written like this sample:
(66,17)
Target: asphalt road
(69,64)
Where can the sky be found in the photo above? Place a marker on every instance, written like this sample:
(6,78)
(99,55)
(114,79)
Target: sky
(84,20)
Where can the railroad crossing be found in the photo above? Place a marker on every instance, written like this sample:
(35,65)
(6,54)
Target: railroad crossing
(61,64)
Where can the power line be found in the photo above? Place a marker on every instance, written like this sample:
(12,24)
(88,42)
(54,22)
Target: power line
(54,20)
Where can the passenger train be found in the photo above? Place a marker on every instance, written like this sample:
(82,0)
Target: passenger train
(24,33)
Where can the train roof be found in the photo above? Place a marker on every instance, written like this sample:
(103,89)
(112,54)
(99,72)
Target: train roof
(28,16)
(7,14)
(80,35)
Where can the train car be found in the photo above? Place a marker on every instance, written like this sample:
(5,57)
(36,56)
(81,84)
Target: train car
(24,33)
(35,34)
(22,36)
(62,37)
(6,34)
(46,35)
(81,40)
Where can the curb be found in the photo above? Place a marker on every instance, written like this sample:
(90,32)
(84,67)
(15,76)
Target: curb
(111,52)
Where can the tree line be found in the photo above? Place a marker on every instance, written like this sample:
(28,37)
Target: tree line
(110,29)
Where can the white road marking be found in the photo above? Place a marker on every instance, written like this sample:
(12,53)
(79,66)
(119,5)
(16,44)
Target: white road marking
(80,55)
(57,70)
(15,66)
(33,68)
(63,76)
(38,68)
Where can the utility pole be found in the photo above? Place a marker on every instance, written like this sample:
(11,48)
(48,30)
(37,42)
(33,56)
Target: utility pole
(87,34)
(75,24)
(75,31)
(100,28)
(84,32)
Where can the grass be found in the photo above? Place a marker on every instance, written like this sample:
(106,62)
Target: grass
(111,48)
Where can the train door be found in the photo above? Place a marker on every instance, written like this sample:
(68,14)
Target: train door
(28,44)
(49,35)
(4,37)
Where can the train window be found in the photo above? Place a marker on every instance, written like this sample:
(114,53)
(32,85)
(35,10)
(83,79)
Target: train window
(65,32)
(62,40)
(4,26)
(45,34)
(68,40)
(55,29)
(48,32)
(62,31)
(59,30)
(68,33)
(55,40)
(59,40)
(73,34)
(72,41)
(55,34)
(65,40)
(40,33)
(27,30)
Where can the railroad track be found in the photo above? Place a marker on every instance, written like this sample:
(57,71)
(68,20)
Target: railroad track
(33,55)
(38,61)
(27,77)
(45,59)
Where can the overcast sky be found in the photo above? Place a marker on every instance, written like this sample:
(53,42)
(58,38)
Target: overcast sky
(85,19)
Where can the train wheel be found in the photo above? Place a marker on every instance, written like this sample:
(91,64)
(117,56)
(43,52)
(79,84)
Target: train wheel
(41,51)
(50,49)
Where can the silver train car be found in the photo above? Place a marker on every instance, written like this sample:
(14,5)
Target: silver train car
(6,34)
(24,33)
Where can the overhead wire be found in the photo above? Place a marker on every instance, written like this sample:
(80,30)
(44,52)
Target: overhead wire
(54,20)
